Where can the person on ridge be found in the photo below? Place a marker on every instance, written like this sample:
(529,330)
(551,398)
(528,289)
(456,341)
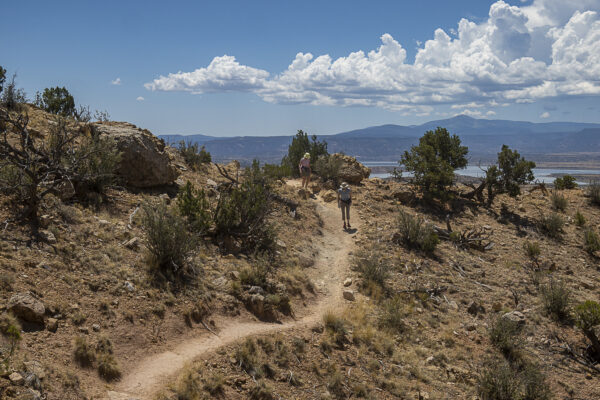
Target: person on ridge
(344,201)
(304,167)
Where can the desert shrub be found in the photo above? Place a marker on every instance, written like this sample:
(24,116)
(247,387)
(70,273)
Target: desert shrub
(12,97)
(246,356)
(214,385)
(505,336)
(11,330)
(167,239)
(257,274)
(551,224)
(83,352)
(94,164)
(337,327)
(78,318)
(434,160)
(274,171)
(415,233)
(556,298)
(108,369)
(591,241)
(511,171)
(104,345)
(532,249)
(587,318)
(565,182)
(58,100)
(534,385)
(188,386)
(335,384)
(6,282)
(498,381)
(328,168)
(193,205)
(301,145)
(593,192)
(242,211)
(559,201)
(392,316)
(261,391)
(194,155)
(372,266)
(579,219)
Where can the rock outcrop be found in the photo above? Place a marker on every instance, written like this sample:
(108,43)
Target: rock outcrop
(27,308)
(351,170)
(145,162)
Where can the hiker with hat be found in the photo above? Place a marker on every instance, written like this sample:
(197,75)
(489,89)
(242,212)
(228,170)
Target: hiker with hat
(344,201)
(304,167)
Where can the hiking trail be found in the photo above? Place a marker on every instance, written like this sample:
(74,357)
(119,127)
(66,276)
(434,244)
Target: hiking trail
(331,267)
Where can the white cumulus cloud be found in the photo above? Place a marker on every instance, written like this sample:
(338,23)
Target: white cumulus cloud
(140,98)
(519,54)
(116,81)
(545,115)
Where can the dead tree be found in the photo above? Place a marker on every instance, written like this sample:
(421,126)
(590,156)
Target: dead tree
(478,238)
(33,168)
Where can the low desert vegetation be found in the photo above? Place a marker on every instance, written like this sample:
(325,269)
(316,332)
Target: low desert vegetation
(565,182)
(194,155)
(556,297)
(415,233)
(552,224)
(559,201)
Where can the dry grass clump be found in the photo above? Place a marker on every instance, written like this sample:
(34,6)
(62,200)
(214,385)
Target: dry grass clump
(84,352)
(552,225)
(532,250)
(505,335)
(108,369)
(415,233)
(591,241)
(559,201)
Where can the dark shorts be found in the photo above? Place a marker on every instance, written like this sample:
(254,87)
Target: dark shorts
(305,171)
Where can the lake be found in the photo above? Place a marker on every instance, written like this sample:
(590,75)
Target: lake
(545,175)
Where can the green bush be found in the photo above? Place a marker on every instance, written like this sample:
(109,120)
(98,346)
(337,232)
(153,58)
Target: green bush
(328,168)
(167,239)
(11,330)
(301,145)
(532,249)
(434,160)
(2,78)
(552,225)
(559,202)
(194,206)
(242,212)
(579,219)
(593,193)
(556,298)
(505,335)
(591,241)
(415,233)
(565,182)
(58,100)
(194,155)
(506,177)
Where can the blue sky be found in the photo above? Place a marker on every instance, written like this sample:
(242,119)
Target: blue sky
(294,65)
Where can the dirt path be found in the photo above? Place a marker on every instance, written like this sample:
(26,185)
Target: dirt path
(331,266)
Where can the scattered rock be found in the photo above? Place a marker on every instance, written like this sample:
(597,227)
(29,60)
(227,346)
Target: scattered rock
(315,188)
(16,378)
(475,308)
(515,316)
(348,295)
(348,282)
(132,243)
(144,159)
(96,328)
(351,170)
(34,367)
(27,307)
(84,329)
(403,195)
(52,324)
(452,304)
(497,306)
(281,244)
(470,327)
(47,237)
(129,286)
(212,183)
(256,290)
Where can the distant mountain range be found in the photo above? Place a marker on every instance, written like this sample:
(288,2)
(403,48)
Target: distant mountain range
(484,138)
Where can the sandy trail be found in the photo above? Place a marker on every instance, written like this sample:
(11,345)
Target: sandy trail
(152,373)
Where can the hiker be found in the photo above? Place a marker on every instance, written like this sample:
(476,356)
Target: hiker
(304,167)
(344,201)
